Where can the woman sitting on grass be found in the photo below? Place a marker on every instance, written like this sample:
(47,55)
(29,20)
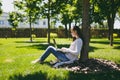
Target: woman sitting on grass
(65,55)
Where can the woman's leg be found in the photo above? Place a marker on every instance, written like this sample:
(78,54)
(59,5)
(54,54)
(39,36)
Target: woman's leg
(59,55)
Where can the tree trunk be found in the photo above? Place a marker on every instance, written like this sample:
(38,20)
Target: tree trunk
(75,22)
(86,31)
(48,29)
(110,20)
(69,29)
(30,23)
(66,31)
(110,26)
(48,16)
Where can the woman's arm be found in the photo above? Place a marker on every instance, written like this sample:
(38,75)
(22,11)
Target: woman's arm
(78,45)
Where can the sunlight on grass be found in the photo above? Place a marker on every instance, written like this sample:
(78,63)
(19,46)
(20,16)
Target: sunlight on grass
(16,55)
(103,50)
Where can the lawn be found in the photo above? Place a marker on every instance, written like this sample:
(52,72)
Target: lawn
(16,55)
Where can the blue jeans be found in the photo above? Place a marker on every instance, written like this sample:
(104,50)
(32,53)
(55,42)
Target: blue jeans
(59,55)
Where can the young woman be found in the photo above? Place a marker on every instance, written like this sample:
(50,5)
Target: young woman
(66,54)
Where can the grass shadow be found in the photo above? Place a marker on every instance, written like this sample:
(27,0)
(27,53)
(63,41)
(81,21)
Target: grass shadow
(42,46)
(116,42)
(100,42)
(35,46)
(117,47)
(30,42)
(36,76)
(111,75)
(92,49)
(105,42)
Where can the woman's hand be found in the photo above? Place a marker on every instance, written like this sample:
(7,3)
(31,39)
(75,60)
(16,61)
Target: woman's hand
(64,49)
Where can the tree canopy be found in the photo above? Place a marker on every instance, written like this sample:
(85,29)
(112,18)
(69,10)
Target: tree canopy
(15,18)
(30,9)
(0,8)
(105,10)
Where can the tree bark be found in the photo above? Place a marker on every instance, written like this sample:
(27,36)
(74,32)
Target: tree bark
(110,20)
(86,31)
(30,23)
(48,29)
(48,16)
(66,31)
(110,26)
(69,30)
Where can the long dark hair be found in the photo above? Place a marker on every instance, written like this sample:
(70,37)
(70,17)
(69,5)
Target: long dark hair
(77,29)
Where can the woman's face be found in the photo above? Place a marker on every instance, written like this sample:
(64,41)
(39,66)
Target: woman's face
(73,33)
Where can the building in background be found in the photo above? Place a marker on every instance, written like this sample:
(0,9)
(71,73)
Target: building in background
(42,23)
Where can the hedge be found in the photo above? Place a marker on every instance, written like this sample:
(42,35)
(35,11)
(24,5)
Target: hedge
(24,32)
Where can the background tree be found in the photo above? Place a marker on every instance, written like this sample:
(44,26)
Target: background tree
(0,8)
(46,10)
(64,21)
(78,12)
(95,15)
(14,19)
(31,9)
(69,13)
(67,17)
(106,10)
(50,9)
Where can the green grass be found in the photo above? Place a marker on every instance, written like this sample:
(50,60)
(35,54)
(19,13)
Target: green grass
(16,55)
(99,48)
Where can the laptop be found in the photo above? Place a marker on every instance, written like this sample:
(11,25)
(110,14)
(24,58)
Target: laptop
(55,44)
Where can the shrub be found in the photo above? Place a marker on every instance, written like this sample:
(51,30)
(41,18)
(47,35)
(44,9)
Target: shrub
(60,27)
(115,35)
(33,36)
(53,35)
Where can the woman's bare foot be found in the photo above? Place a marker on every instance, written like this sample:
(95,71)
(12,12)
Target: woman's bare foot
(36,61)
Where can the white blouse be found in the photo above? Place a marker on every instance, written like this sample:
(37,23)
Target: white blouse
(74,50)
